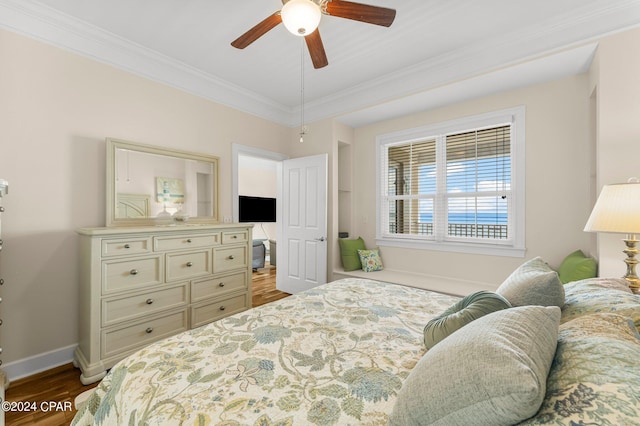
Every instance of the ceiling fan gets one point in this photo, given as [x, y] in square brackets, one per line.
[302, 17]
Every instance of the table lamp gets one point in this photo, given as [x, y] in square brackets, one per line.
[617, 210]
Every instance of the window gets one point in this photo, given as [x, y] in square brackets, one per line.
[456, 186]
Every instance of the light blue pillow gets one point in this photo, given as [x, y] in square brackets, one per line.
[492, 371]
[533, 283]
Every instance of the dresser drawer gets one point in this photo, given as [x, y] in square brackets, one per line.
[209, 312]
[187, 265]
[218, 285]
[126, 247]
[231, 237]
[229, 258]
[121, 339]
[129, 307]
[128, 274]
[185, 242]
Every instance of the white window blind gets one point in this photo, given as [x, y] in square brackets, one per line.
[410, 190]
[478, 183]
[453, 184]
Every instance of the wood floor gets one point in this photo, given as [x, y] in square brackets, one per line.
[264, 286]
[61, 385]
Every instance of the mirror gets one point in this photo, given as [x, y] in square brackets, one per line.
[148, 185]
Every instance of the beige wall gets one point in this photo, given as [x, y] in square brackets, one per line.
[615, 81]
[56, 108]
[557, 196]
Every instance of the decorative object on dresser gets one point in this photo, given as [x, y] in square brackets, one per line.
[617, 210]
[141, 284]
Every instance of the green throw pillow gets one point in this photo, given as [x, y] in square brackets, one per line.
[468, 309]
[576, 267]
[349, 253]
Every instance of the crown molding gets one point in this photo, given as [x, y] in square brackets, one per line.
[42, 23]
[35, 20]
[556, 66]
[476, 60]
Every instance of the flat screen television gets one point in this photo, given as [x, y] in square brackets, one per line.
[256, 209]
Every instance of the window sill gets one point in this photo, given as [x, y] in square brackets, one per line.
[485, 249]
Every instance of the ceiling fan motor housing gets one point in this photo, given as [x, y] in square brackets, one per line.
[301, 17]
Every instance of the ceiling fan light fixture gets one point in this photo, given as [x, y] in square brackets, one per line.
[301, 17]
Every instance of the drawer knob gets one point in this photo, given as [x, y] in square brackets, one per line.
[149, 301]
[189, 240]
[134, 272]
[230, 257]
[189, 264]
[234, 236]
[221, 284]
[1, 281]
[149, 330]
[222, 308]
[127, 246]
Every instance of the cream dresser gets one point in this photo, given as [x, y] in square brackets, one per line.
[139, 285]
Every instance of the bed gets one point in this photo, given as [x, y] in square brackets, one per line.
[340, 354]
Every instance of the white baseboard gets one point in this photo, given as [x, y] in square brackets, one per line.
[38, 363]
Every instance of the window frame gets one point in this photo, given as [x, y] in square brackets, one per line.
[515, 247]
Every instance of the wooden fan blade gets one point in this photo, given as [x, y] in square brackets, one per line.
[361, 12]
[257, 31]
[316, 50]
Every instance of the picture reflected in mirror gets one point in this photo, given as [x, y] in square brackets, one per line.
[152, 185]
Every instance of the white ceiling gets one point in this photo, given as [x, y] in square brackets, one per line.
[436, 52]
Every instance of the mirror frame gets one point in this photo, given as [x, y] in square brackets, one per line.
[111, 196]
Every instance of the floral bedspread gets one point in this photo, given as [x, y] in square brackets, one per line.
[337, 354]
[595, 374]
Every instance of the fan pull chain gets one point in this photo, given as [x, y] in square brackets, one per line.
[302, 129]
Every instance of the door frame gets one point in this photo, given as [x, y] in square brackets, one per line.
[238, 150]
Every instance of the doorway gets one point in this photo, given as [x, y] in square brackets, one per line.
[255, 174]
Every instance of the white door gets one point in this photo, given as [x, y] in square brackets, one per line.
[302, 234]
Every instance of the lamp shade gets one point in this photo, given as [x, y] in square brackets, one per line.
[301, 17]
[617, 210]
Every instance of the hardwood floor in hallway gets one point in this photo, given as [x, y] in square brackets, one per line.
[264, 286]
[62, 384]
